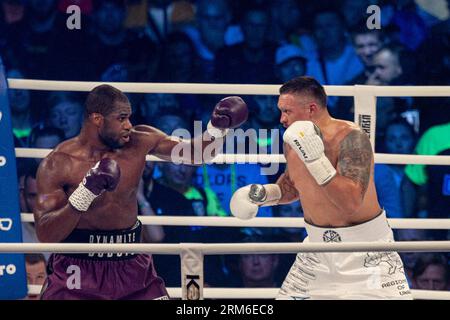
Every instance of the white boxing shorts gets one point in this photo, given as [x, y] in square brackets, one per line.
[347, 275]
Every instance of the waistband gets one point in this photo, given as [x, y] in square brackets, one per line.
[130, 235]
[373, 230]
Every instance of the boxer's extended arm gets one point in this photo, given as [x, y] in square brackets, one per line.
[229, 113]
[355, 161]
[54, 217]
[175, 149]
[288, 191]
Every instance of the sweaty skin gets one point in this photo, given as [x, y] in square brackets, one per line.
[63, 169]
[350, 197]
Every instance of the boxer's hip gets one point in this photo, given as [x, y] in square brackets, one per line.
[103, 275]
[348, 275]
[376, 229]
[129, 235]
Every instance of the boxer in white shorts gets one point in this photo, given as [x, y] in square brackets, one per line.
[330, 170]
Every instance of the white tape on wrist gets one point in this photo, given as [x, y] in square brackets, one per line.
[81, 198]
[321, 169]
[216, 132]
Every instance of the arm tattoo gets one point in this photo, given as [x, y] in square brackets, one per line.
[355, 158]
[287, 187]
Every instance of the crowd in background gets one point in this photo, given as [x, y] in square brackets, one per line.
[244, 42]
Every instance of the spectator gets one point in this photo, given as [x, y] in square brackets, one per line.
[431, 182]
[150, 233]
[289, 63]
[166, 108]
[12, 11]
[28, 188]
[431, 272]
[19, 101]
[366, 43]
[43, 44]
[35, 265]
[254, 54]
[27, 197]
[254, 270]
[258, 270]
[66, 113]
[388, 110]
[387, 68]
[119, 54]
[400, 138]
[355, 11]
[286, 16]
[434, 56]
[336, 61]
[410, 258]
[43, 137]
[162, 17]
[179, 59]
[404, 20]
[266, 114]
[213, 19]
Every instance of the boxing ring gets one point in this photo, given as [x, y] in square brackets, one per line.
[365, 116]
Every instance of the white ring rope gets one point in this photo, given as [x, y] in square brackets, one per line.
[262, 293]
[271, 158]
[206, 88]
[227, 248]
[267, 222]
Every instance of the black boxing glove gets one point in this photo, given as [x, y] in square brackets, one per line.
[104, 176]
[229, 113]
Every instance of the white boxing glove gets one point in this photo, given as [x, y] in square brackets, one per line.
[304, 138]
[246, 201]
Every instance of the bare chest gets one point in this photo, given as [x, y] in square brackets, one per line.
[115, 209]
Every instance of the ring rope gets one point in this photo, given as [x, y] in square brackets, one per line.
[271, 158]
[227, 248]
[267, 222]
[207, 88]
[263, 293]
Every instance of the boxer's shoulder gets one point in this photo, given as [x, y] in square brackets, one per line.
[63, 156]
[340, 130]
[146, 133]
[145, 138]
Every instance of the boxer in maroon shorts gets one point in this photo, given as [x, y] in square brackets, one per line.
[87, 194]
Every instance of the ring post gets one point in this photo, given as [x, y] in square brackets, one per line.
[191, 273]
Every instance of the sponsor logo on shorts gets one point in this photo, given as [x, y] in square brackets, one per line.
[117, 238]
[331, 236]
[389, 259]
[401, 285]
